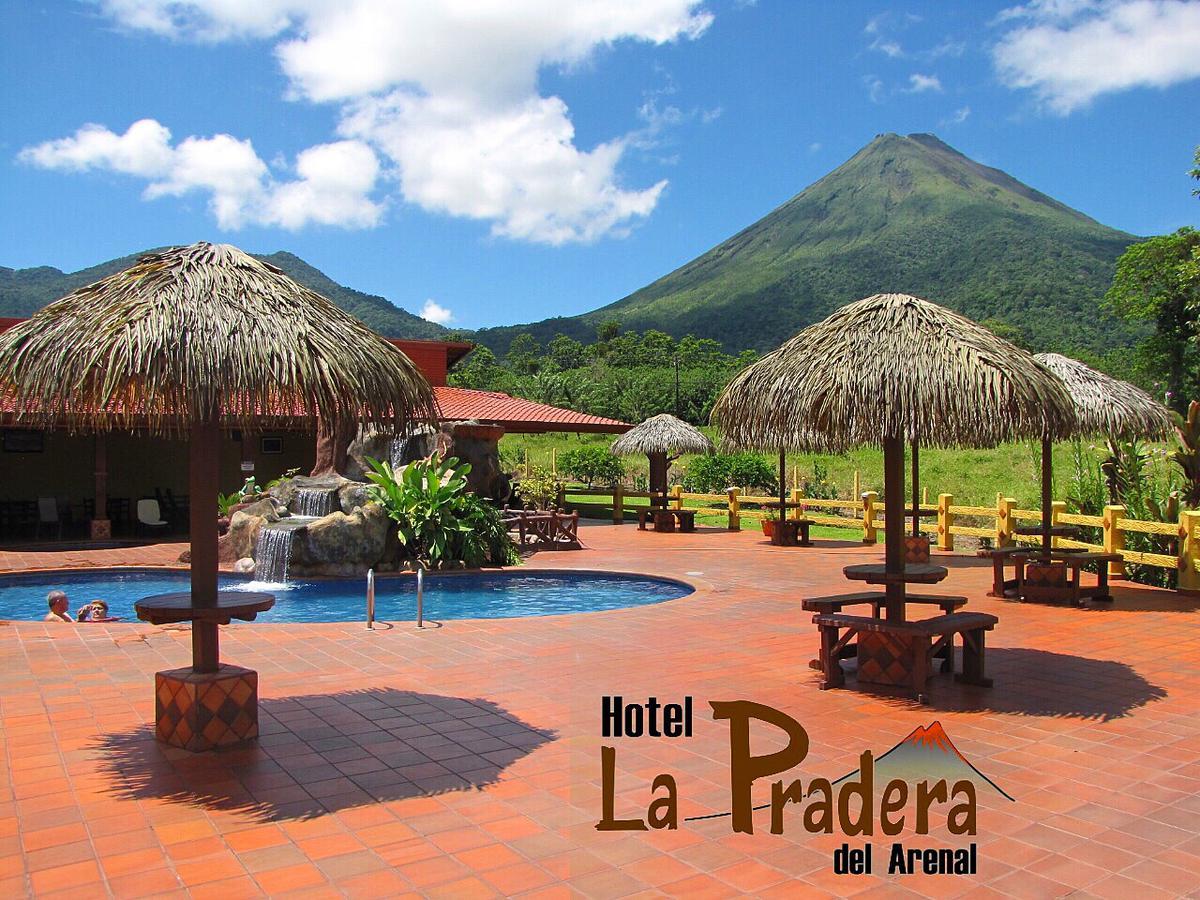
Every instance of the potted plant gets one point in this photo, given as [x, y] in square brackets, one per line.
[770, 517]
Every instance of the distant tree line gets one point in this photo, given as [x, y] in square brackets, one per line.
[622, 375]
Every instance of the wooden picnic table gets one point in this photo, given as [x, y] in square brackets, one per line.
[664, 519]
[1073, 561]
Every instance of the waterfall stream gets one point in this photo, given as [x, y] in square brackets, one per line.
[273, 550]
[315, 501]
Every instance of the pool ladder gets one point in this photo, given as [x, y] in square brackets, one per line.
[371, 598]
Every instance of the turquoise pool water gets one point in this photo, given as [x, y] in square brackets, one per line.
[452, 596]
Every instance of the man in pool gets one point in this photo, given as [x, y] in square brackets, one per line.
[96, 611]
[59, 604]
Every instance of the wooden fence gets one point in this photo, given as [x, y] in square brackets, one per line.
[997, 523]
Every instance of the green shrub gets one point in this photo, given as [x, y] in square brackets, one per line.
[437, 519]
[713, 474]
[539, 488]
[592, 465]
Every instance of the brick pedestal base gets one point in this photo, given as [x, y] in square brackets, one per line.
[916, 549]
[885, 658]
[101, 529]
[206, 711]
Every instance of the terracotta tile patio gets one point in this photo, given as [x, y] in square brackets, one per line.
[464, 760]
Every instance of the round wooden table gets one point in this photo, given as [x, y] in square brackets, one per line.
[877, 573]
[162, 609]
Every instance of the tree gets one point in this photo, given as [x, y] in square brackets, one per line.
[1158, 281]
[523, 355]
[565, 352]
[1195, 173]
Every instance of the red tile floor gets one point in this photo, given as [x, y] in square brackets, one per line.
[464, 760]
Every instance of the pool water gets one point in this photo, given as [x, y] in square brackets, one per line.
[450, 596]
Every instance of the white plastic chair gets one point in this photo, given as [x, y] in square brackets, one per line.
[149, 515]
[48, 515]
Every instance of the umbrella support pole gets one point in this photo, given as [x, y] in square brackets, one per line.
[893, 523]
[208, 706]
[1047, 493]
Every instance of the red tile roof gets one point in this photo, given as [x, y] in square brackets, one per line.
[518, 415]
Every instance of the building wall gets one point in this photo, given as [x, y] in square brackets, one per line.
[137, 464]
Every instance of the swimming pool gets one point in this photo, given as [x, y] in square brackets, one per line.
[490, 595]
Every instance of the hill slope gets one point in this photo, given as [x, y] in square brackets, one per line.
[905, 214]
[24, 290]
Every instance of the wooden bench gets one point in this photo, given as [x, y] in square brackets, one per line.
[544, 529]
[900, 654]
[876, 599]
[664, 519]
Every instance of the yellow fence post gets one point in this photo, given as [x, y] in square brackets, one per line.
[945, 521]
[857, 485]
[868, 520]
[554, 461]
[797, 496]
[1114, 538]
[1004, 521]
[618, 504]
[735, 519]
[1189, 551]
[677, 496]
[1057, 508]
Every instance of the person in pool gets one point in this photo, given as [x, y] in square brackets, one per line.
[59, 604]
[96, 611]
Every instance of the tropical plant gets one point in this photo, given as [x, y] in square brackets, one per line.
[592, 465]
[1187, 454]
[436, 518]
[538, 487]
[819, 486]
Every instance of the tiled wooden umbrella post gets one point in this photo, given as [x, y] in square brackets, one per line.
[209, 705]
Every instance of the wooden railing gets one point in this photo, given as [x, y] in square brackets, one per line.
[997, 523]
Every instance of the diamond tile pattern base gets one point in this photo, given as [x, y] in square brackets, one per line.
[884, 658]
[1046, 581]
[916, 549]
[206, 711]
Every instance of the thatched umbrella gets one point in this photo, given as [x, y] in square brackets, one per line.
[192, 338]
[1103, 405]
[662, 438]
[892, 368]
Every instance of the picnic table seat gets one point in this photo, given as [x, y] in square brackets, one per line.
[664, 519]
[876, 599]
[900, 654]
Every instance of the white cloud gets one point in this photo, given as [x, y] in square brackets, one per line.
[960, 115]
[814, 147]
[448, 92]
[432, 312]
[875, 89]
[919, 84]
[1069, 52]
[332, 186]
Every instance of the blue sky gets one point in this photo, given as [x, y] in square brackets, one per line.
[540, 157]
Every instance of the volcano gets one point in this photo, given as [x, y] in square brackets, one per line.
[907, 214]
[928, 754]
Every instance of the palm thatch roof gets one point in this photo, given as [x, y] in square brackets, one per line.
[897, 366]
[192, 330]
[1106, 405]
[662, 434]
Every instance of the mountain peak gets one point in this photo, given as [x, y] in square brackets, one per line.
[932, 736]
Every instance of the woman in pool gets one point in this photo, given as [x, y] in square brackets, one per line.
[96, 611]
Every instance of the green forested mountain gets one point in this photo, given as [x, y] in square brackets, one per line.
[904, 214]
[24, 290]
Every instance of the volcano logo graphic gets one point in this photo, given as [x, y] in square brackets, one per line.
[928, 754]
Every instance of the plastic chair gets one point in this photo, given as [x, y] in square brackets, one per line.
[48, 515]
[149, 516]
